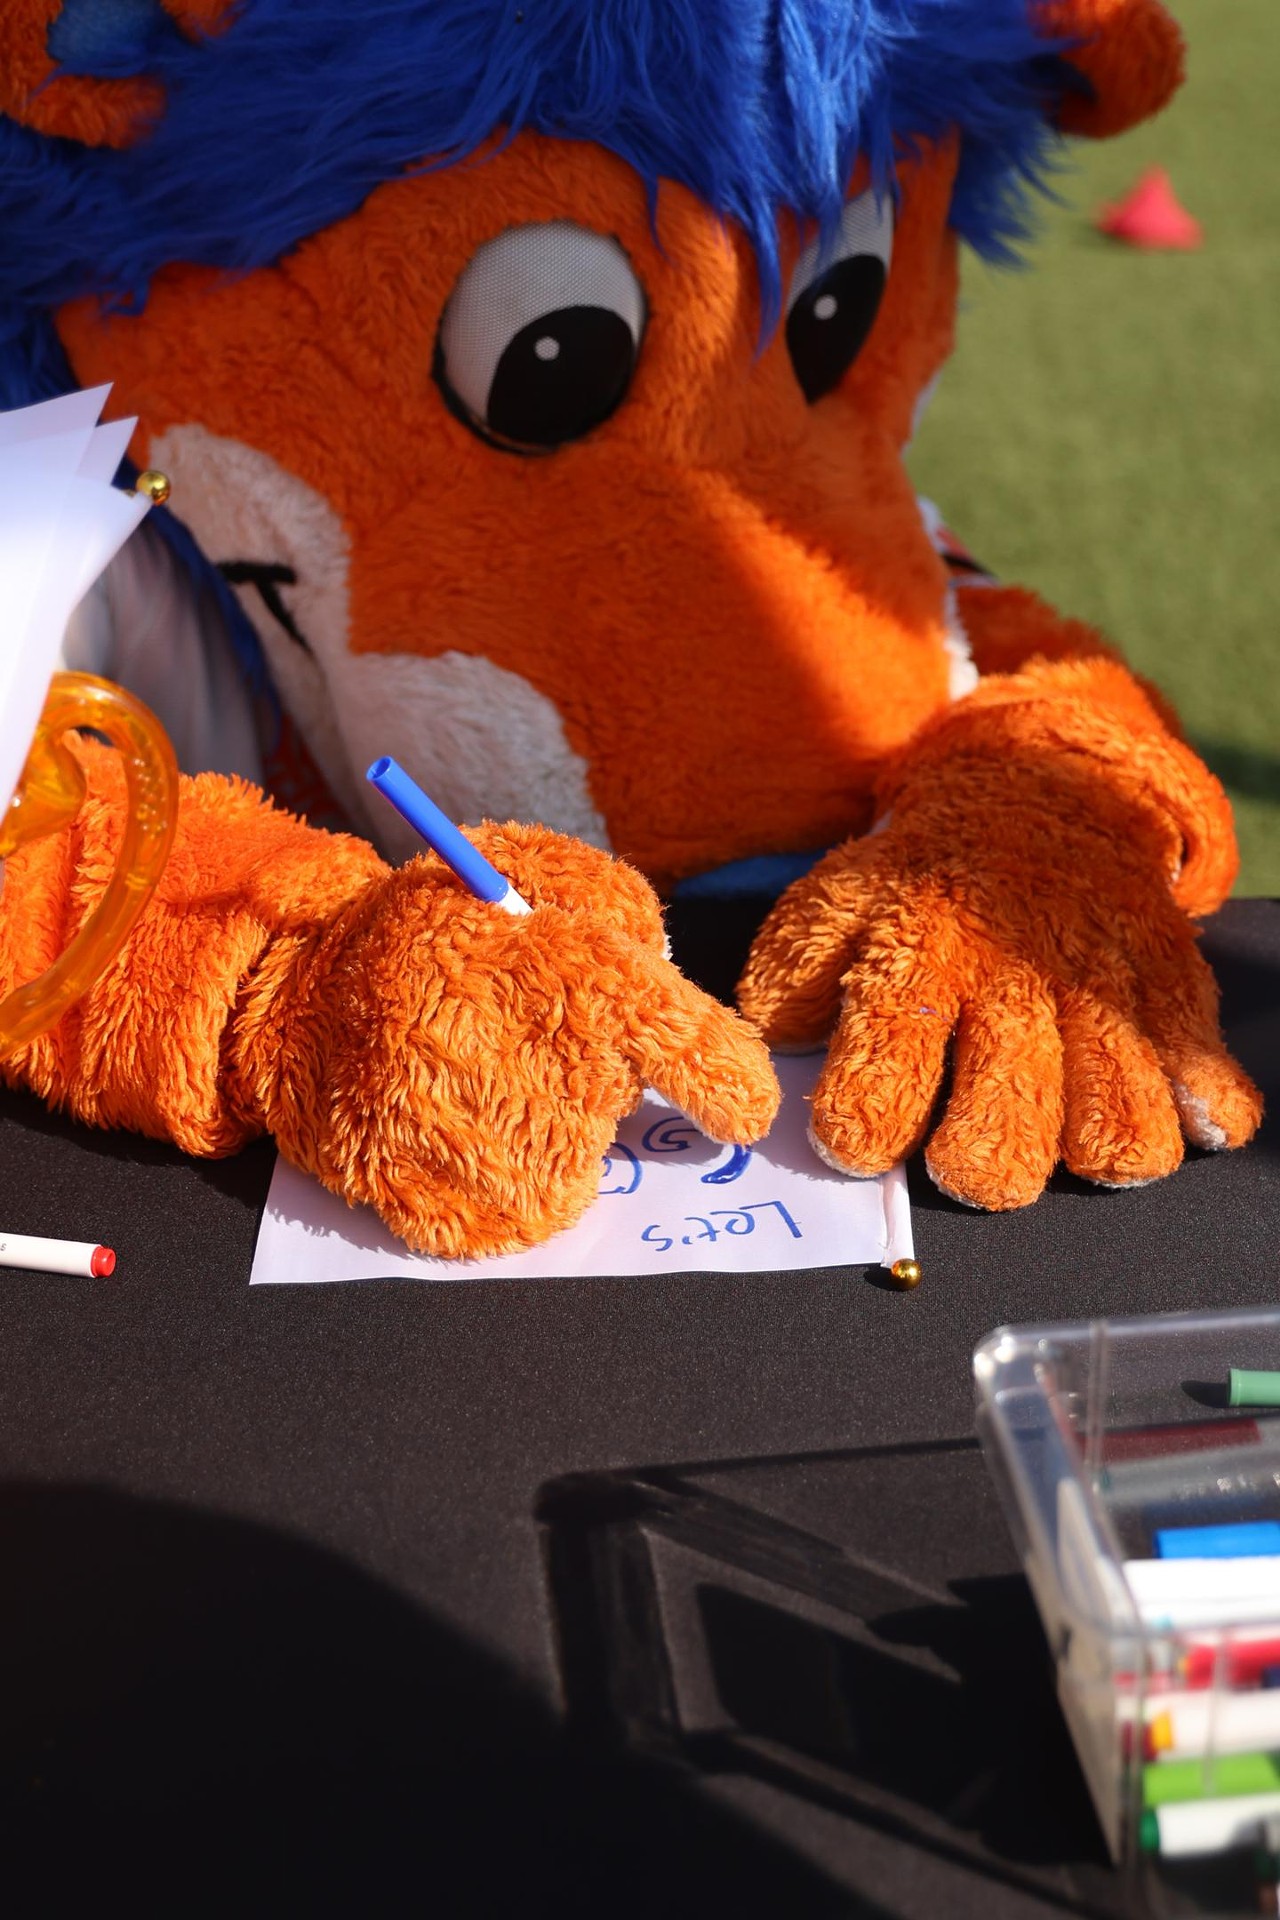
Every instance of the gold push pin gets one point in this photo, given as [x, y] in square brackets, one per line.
[906, 1274]
[155, 485]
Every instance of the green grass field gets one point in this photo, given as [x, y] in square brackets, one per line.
[1109, 429]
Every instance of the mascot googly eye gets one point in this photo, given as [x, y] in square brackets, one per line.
[835, 295]
[540, 335]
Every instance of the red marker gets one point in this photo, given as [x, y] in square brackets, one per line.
[83, 1257]
[1242, 1662]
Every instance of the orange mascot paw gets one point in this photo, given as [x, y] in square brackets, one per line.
[458, 1069]
[463, 1071]
[1021, 915]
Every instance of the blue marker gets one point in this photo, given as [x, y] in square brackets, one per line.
[1243, 1540]
[439, 832]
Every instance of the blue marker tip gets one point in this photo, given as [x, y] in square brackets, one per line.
[439, 832]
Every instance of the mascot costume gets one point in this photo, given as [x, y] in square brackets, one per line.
[534, 378]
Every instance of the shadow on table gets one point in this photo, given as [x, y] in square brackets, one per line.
[241, 1176]
[206, 1717]
[698, 1621]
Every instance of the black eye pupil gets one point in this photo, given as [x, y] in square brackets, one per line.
[561, 375]
[829, 322]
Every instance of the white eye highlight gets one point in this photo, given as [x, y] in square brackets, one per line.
[836, 292]
[539, 339]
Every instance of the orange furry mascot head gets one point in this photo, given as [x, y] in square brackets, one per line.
[550, 366]
[534, 376]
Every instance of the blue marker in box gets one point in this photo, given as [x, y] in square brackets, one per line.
[1245, 1540]
[439, 832]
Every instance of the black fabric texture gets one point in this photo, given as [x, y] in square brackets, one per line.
[300, 1582]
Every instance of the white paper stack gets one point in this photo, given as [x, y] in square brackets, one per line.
[61, 523]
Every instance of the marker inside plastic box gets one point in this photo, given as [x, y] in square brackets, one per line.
[1205, 1592]
[1227, 1776]
[1207, 1826]
[1243, 1660]
[1241, 1540]
[1252, 1389]
[1188, 1723]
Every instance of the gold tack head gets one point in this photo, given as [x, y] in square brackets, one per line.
[906, 1274]
[155, 485]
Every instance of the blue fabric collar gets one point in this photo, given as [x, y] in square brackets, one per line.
[762, 874]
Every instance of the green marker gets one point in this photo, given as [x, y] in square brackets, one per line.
[1209, 1826]
[1246, 1389]
[1227, 1777]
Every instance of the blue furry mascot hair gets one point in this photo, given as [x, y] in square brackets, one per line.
[284, 123]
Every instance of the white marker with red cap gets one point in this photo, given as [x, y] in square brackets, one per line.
[83, 1257]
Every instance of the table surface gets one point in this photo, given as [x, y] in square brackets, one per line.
[676, 1594]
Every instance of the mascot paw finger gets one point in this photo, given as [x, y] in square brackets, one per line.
[790, 989]
[872, 1102]
[1218, 1104]
[998, 1140]
[1121, 1125]
[552, 869]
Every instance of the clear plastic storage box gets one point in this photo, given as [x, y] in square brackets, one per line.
[1146, 1507]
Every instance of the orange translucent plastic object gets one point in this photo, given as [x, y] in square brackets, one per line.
[48, 798]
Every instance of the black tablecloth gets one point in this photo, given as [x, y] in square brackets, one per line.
[666, 1595]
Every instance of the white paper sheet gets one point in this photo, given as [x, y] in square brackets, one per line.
[77, 412]
[670, 1201]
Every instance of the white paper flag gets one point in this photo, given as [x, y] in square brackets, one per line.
[61, 523]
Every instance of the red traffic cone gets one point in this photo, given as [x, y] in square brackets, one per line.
[1150, 216]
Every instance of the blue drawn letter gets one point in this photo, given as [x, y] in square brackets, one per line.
[670, 1133]
[618, 1152]
[733, 1169]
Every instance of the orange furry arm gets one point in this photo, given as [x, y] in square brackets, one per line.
[1008, 626]
[460, 1070]
[1024, 906]
[148, 1047]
